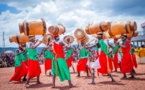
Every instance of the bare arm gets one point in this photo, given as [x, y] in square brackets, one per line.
[123, 46]
[91, 46]
[35, 46]
[36, 41]
[21, 47]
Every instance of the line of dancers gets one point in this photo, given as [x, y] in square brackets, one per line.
[58, 62]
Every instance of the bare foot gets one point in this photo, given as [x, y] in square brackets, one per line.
[50, 74]
[27, 85]
[88, 75]
[45, 73]
[132, 77]
[53, 86]
[113, 80]
[71, 85]
[10, 82]
[124, 77]
[92, 83]
[38, 82]
[78, 75]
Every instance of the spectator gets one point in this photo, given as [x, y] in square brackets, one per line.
[2, 61]
[7, 59]
[11, 60]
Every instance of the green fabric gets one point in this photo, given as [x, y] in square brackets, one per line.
[32, 54]
[23, 57]
[132, 51]
[60, 69]
[104, 47]
[48, 54]
[124, 40]
[83, 52]
[69, 53]
[110, 55]
[115, 48]
[18, 61]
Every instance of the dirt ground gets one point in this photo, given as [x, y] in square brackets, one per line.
[80, 83]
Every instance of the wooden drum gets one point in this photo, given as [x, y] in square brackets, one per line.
[46, 37]
[20, 38]
[68, 37]
[33, 27]
[79, 34]
[95, 28]
[122, 28]
[57, 29]
[132, 34]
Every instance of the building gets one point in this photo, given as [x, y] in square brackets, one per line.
[140, 39]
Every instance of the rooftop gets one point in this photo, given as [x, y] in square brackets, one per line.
[139, 38]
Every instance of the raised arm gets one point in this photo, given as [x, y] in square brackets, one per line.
[33, 45]
[123, 46]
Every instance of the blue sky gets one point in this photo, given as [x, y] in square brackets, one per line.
[4, 7]
[72, 14]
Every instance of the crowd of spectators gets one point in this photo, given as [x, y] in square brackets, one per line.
[6, 60]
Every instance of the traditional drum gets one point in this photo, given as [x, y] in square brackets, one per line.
[79, 34]
[132, 34]
[116, 37]
[33, 27]
[57, 29]
[122, 28]
[95, 28]
[46, 37]
[105, 35]
[65, 39]
[85, 40]
[20, 38]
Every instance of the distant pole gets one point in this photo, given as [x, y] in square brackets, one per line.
[3, 42]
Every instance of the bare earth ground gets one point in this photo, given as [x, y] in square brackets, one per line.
[81, 83]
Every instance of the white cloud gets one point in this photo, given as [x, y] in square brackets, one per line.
[71, 14]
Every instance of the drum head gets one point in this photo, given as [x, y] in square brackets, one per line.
[65, 39]
[79, 34]
[86, 40]
[46, 37]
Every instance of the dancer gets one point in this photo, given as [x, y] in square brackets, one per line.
[34, 69]
[48, 58]
[23, 56]
[82, 63]
[117, 55]
[59, 65]
[69, 55]
[126, 62]
[133, 57]
[96, 64]
[103, 63]
[20, 69]
[110, 56]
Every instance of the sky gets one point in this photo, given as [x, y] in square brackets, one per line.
[72, 14]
